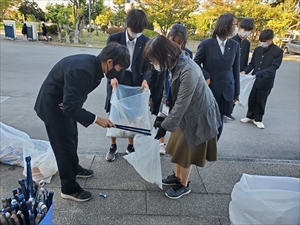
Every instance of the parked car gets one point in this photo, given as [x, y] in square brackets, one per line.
[292, 46]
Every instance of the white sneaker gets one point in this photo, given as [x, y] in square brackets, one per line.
[260, 125]
[162, 148]
[246, 120]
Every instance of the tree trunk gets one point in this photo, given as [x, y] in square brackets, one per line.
[96, 29]
[67, 29]
[77, 29]
[58, 32]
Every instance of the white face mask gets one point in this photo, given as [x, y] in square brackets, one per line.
[157, 67]
[134, 35]
[244, 34]
[236, 29]
[264, 44]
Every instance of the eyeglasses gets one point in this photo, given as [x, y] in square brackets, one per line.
[235, 24]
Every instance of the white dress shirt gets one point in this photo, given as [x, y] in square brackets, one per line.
[222, 47]
[130, 45]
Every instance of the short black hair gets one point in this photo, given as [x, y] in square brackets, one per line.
[117, 52]
[136, 20]
[224, 25]
[163, 50]
[179, 30]
[247, 24]
[266, 35]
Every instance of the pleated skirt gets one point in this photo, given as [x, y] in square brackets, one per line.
[185, 155]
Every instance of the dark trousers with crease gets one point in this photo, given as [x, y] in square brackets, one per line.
[64, 144]
[257, 103]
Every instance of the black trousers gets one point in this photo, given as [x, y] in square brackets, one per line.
[257, 103]
[64, 143]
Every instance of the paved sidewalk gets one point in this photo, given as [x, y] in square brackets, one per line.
[132, 200]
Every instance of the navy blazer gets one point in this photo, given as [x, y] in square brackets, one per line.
[139, 66]
[69, 82]
[222, 70]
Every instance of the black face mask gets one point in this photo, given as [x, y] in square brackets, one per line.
[112, 73]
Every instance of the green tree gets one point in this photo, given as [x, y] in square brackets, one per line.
[167, 12]
[96, 9]
[104, 18]
[6, 4]
[31, 8]
[60, 14]
[119, 13]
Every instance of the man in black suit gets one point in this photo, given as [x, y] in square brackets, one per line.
[246, 25]
[266, 59]
[136, 74]
[59, 105]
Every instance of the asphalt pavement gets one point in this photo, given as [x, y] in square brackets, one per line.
[243, 148]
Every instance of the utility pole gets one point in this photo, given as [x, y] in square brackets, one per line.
[90, 36]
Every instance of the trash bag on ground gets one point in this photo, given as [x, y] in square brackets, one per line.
[129, 107]
[265, 200]
[17, 145]
[246, 84]
[146, 158]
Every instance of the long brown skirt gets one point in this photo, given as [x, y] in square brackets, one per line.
[184, 155]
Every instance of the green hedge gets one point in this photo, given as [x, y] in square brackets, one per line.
[150, 33]
[113, 30]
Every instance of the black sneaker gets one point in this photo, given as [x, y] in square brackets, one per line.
[111, 154]
[178, 191]
[171, 180]
[84, 173]
[81, 196]
[230, 117]
[130, 149]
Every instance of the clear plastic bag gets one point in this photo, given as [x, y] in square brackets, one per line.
[246, 84]
[17, 145]
[265, 200]
[129, 107]
[146, 158]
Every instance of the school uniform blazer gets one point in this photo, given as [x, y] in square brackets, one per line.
[157, 85]
[222, 70]
[244, 51]
[139, 66]
[264, 63]
[69, 82]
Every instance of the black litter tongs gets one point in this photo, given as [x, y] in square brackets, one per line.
[134, 129]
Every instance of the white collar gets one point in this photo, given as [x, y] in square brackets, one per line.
[127, 38]
[220, 41]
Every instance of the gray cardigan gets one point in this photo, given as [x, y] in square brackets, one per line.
[195, 109]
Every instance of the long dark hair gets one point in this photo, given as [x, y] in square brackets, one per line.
[178, 30]
[163, 50]
[224, 25]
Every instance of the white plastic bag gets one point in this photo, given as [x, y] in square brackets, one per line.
[265, 200]
[17, 145]
[146, 158]
[246, 84]
[129, 107]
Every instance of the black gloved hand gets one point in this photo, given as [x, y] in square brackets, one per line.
[160, 133]
[158, 121]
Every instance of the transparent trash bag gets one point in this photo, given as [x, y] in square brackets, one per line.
[146, 158]
[17, 145]
[129, 107]
[265, 200]
[246, 84]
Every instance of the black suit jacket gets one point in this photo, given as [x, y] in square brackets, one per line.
[264, 63]
[69, 82]
[244, 51]
[139, 66]
[222, 70]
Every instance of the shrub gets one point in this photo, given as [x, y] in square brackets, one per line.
[150, 33]
[104, 28]
[196, 37]
[52, 29]
[113, 30]
[88, 29]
